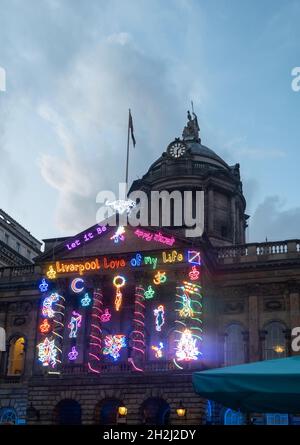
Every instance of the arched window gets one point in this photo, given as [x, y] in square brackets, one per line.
[8, 416]
[155, 411]
[277, 419]
[67, 412]
[232, 417]
[106, 412]
[234, 346]
[16, 357]
[275, 341]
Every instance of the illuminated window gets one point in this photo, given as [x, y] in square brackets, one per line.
[275, 341]
[233, 417]
[234, 347]
[16, 358]
[8, 416]
[277, 419]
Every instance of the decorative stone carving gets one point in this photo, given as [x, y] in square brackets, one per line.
[274, 304]
[233, 307]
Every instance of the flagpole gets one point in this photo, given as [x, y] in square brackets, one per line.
[127, 158]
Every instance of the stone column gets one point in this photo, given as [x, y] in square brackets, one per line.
[254, 352]
[233, 219]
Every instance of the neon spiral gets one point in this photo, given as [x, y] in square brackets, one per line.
[138, 333]
[95, 344]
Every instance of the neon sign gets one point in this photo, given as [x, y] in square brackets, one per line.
[85, 237]
[172, 257]
[149, 293]
[187, 349]
[194, 273]
[194, 257]
[87, 266]
[118, 282]
[106, 316]
[43, 285]
[119, 235]
[86, 300]
[73, 354]
[113, 345]
[159, 314]
[160, 278]
[48, 302]
[77, 285]
[158, 237]
[74, 324]
[51, 274]
[45, 326]
[47, 352]
[138, 260]
[158, 350]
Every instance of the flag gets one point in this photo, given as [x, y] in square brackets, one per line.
[131, 129]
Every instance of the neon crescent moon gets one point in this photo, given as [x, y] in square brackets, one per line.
[74, 285]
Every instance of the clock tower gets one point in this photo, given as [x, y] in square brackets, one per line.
[188, 165]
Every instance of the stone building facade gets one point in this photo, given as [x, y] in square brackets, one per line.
[124, 343]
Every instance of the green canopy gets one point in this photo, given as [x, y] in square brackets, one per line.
[267, 386]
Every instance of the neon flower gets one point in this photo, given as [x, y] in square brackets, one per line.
[73, 354]
[118, 235]
[44, 285]
[118, 281]
[86, 300]
[45, 326]
[158, 350]
[47, 352]
[159, 314]
[77, 285]
[149, 293]
[113, 345]
[194, 273]
[51, 274]
[186, 348]
[74, 324]
[48, 302]
[160, 277]
[106, 316]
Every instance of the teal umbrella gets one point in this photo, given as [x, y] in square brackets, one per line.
[259, 387]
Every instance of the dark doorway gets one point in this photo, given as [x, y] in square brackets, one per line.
[107, 412]
[67, 412]
[155, 411]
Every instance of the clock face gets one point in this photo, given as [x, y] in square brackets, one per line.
[177, 149]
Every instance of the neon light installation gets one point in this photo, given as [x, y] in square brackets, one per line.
[95, 345]
[74, 324]
[186, 348]
[86, 300]
[47, 352]
[77, 285]
[43, 285]
[138, 260]
[118, 281]
[73, 354]
[194, 257]
[159, 314]
[186, 311]
[48, 302]
[194, 274]
[160, 277]
[158, 350]
[137, 335]
[119, 234]
[149, 293]
[106, 316]
[85, 237]
[121, 205]
[113, 345]
[51, 273]
[45, 326]
[150, 236]
[172, 257]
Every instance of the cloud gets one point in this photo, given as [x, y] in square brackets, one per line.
[271, 220]
[91, 104]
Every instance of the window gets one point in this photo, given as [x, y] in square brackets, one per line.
[277, 419]
[106, 412]
[234, 346]
[155, 411]
[16, 358]
[233, 417]
[8, 416]
[275, 342]
[18, 247]
[7, 238]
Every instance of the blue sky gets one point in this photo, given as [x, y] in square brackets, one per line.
[74, 67]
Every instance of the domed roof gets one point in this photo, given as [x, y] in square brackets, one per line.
[202, 153]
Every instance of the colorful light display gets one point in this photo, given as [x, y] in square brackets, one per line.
[172, 257]
[139, 260]
[158, 237]
[95, 345]
[149, 293]
[138, 334]
[74, 324]
[118, 281]
[158, 350]
[73, 354]
[159, 314]
[106, 316]
[51, 273]
[43, 285]
[47, 309]
[86, 237]
[119, 235]
[47, 352]
[77, 285]
[86, 300]
[194, 274]
[194, 257]
[45, 326]
[186, 348]
[113, 345]
[160, 278]
[186, 311]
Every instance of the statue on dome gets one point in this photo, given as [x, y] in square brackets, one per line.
[192, 129]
